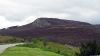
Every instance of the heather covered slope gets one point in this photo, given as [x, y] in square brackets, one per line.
[44, 23]
[58, 30]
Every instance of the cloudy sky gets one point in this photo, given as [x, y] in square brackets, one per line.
[20, 12]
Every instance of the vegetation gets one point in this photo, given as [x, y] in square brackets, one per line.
[51, 46]
[41, 47]
[88, 49]
[9, 39]
[26, 51]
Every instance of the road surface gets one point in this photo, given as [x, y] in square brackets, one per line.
[4, 47]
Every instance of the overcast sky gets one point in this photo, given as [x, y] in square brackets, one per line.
[20, 12]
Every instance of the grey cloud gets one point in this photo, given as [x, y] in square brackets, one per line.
[18, 10]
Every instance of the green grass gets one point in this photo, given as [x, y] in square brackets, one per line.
[26, 51]
[41, 47]
[58, 48]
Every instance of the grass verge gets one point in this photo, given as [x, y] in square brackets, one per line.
[26, 51]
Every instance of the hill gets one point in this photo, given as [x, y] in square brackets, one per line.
[58, 30]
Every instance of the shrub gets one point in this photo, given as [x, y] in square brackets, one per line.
[38, 42]
[88, 49]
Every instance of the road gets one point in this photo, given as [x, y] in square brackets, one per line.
[4, 47]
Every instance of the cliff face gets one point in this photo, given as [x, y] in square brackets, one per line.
[58, 30]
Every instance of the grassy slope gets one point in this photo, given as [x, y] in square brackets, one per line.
[25, 51]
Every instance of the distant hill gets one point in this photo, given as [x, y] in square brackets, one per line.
[58, 30]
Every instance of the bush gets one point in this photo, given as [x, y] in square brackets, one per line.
[88, 49]
[39, 42]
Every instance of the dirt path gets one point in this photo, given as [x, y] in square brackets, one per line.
[4, 47]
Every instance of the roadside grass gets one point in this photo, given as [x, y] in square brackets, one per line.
[65, 50]
[26, 51]
[41, 47]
